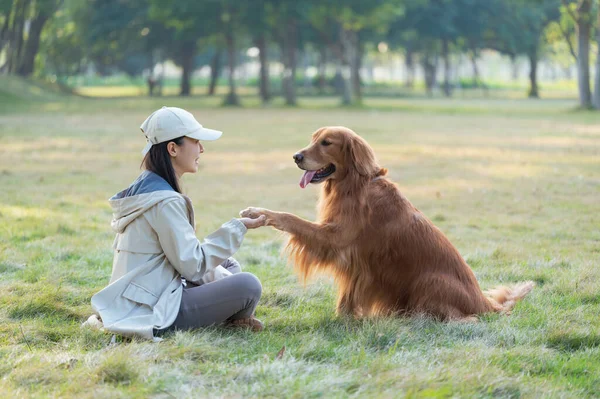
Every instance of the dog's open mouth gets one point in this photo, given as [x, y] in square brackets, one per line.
[315, 176]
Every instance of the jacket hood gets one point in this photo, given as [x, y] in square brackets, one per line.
[146, 191]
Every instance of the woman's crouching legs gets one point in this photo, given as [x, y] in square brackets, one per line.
[226, 300]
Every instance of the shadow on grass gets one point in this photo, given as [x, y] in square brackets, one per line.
[38, 302]
[571, 342]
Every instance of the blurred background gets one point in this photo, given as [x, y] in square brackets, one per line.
[280, 50]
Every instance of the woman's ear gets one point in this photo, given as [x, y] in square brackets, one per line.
[172, 149]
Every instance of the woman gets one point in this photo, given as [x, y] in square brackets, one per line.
[163, 277]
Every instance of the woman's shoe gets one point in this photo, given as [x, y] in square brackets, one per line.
[250, 322]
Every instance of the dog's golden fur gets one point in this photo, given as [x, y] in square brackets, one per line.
[384, 254]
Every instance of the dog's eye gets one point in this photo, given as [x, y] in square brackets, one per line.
[325, 143]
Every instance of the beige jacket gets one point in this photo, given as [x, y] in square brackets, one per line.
[154, 248]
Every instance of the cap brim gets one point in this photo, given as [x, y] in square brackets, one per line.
[146, 148]
[205, 134]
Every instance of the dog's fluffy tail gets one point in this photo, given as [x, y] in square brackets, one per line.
[507, 297]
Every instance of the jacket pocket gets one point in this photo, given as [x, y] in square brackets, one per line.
[139, 294]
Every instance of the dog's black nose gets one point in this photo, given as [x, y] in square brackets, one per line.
[298, 157]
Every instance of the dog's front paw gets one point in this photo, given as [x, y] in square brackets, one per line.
[252, 212]
[272, 218]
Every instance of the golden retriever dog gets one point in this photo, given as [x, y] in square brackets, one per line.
[386, 257]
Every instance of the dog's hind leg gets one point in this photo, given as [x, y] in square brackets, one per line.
[448, 299]
[455, 315]
[345, 304]
[447, 312]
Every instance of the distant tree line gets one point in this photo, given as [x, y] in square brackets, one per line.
[63, 37]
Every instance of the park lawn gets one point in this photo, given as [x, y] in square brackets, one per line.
[513, 183]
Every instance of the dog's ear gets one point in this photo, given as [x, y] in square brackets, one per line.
[318, 132]
[361, 156]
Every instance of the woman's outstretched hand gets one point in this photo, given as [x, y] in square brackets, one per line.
[254, 223]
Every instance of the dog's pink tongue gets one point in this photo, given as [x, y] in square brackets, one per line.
[307, 177]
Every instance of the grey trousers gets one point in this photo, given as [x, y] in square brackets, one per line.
[233, 297]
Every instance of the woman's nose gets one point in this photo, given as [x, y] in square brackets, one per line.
[201, 148]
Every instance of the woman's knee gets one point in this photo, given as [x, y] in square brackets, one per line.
[251, 284]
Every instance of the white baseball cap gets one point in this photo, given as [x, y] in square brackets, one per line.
[169, 123]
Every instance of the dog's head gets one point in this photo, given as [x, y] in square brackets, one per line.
[336, 153]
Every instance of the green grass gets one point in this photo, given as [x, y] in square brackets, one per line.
[30, 89]
[513, 183]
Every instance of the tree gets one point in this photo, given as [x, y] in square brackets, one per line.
[581, 12]
[62, 43]
[179, 18]
[436, 25]
[193, 22]
[403, 36]
[596, 97]
[286, 20]
[344, 28]
[520, 27]
[476, 23]
[260, 21]
[39, 13]
[231, 16]
[23, 22]
[532, 20]
[120, 36]
[559, 38]
[13, 32]
[215, 69]
[432, 29]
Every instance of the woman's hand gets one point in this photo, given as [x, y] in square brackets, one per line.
[253, 223]
[271, 218]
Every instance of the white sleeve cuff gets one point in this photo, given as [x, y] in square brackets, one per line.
[236, 225]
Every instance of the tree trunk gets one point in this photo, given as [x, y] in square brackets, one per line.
[476, 79]
[355, 67]
[16, 36]
[232, 97]
[261, 44]
[187, 65]
[353, 57]
[350, 74]
[151, 82]
[4, 32]
[583, 59]
[533, 63]
[27, 62]
[289, 62]
[215, 71]
[446, 57]
[322, 66]
[596, 99]
[343, 79]
[430, 70]
[514, 73]
[409, 63]
[5, 39]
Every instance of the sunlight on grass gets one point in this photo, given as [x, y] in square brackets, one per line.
[129, 91]
[23, 212]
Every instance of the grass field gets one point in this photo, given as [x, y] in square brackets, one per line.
[515, 184]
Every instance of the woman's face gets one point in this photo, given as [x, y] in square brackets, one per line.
[185, 157]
